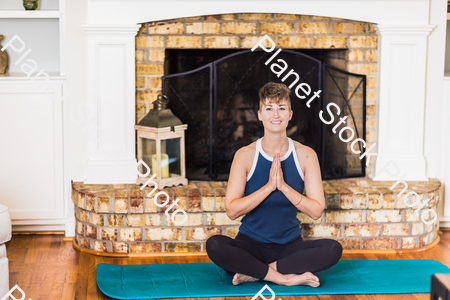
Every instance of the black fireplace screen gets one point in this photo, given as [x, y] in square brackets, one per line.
[219, 101]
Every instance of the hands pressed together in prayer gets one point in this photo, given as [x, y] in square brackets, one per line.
[276, 180]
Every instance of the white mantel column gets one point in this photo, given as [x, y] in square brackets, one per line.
[111, 104]
[402, 57]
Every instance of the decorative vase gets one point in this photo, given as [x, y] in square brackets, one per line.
[30, 4]
[4, 58]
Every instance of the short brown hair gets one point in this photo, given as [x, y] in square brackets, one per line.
[275, 92]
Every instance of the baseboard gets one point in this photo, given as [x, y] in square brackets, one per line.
[444, 222]
[37, 228]
[36, 232]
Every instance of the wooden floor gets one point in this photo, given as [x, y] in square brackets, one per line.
[45, 267]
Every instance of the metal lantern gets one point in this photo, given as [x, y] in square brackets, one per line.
[161, 145]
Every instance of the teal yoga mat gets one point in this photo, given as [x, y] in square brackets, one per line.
[208, 280]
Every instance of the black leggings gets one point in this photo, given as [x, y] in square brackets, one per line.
[247, 256]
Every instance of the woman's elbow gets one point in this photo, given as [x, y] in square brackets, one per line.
[319, 213]
[231, 214]
[317, 217]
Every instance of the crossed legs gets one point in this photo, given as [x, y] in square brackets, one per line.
[290, 264]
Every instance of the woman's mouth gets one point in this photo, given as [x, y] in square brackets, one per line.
[275, 122]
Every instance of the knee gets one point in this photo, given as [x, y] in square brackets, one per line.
[333, 249]
[336, 249]
[212, 244]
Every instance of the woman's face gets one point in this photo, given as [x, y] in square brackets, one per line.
[275, 117]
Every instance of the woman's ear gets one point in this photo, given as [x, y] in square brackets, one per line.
[290, 115]
[259, 115]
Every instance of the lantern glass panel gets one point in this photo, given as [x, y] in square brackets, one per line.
[170, 156]
[148, 149]
[171, 147]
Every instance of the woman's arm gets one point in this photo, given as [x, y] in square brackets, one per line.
[236, 204]
[314, 202]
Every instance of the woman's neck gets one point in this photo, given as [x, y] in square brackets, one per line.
[274, 143]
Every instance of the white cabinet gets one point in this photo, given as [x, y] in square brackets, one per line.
[31, 115]
[31, 151]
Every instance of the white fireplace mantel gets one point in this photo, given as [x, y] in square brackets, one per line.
[402, 57]
[376, 11]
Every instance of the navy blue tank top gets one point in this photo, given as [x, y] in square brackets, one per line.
[274, 220]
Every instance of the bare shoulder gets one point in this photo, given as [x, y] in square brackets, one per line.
[303, 150]
[245, 156]
[305, 154]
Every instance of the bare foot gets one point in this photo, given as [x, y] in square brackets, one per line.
[241, 278]
[306, 278]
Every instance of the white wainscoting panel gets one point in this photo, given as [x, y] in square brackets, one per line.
[402, 56]
[31, 151]
[111, 101]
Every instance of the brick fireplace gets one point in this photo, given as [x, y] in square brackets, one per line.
[354, 47]
[362, 214]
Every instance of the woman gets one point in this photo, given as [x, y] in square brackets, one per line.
[266, 183]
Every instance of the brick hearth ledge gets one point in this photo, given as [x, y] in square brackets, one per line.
[360, 213]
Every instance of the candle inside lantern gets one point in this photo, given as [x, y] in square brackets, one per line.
[164, 165]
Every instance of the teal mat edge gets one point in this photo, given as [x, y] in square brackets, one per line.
[315, 291]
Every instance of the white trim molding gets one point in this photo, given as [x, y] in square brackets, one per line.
[402, 57]
[111, 103]
[141, 11]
